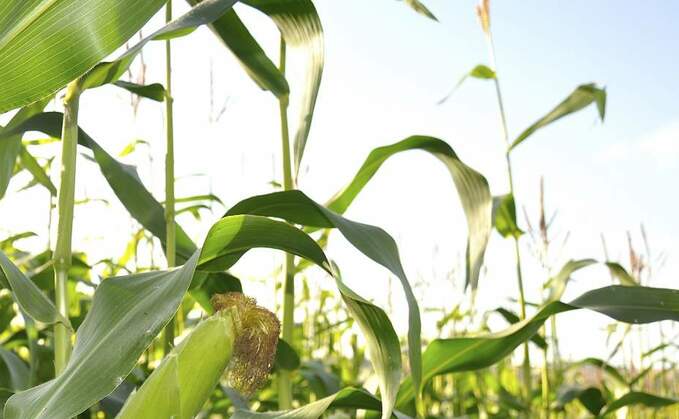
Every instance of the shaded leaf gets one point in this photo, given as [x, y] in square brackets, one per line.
[154, 91]
[286, 356]
[294, 206]
[14, 373]
[27, 295]
[590, 397]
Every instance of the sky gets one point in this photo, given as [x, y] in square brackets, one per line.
[386, 68]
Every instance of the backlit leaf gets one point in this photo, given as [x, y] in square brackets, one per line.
[472, 189]
[45, 44]
[581, 97]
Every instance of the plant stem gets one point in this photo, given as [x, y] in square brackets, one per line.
[65, 204]
[170, 246]
[285, 383]
[517, 249]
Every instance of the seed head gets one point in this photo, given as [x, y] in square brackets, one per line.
[483, 12]
[257, 331]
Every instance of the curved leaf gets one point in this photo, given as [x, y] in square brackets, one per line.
[504, 216]
[204, 13]
[351, 398]
[472, 189]
[621, 274]
[581, 97]
[512, 318]
[637, 397]
[235, 35]
[230, 237]
[37, 39]
[27, 295]
[627, 304]
[590, 397]
[301, 28]
[294, 206]
[122, 178]
[384, 349]
[481, 72]
[10, 147]
[154, 91]
[557, 284]
[14, 373]
[128, 312]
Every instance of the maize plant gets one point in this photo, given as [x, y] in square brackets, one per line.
[166, 331]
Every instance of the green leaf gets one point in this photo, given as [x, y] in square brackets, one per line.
[154, 91]
[122, 178]
[504, 216]
[637, 397]
[230, 237]
[14, 373]
[235, 35]
[481, 72]
[581, 97]
[286, 357]
[37, 39]
[384, 349]
[204, 13]
[420, 8]
[472, 189]
[621, 274]
[294, 206]
[128, 312]
[590, 397]
[557, 284]
[300, 27]
[512, 318]
[31, 164]
[627, 304]
[10, 147]
[27, 295]
[348, 398]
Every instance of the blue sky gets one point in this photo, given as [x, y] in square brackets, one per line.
[386, 68]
